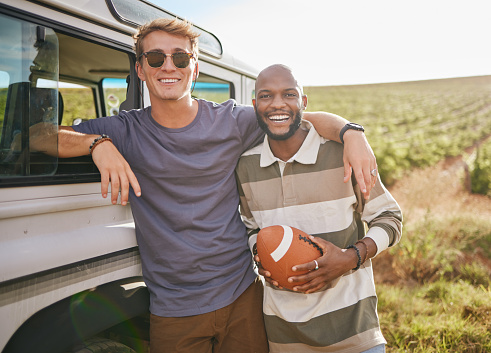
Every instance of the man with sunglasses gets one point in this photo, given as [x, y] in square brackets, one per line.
[196, 263]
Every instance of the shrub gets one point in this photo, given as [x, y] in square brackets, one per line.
[481, 171]
[451, 248]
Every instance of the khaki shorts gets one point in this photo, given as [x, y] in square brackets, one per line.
[238, 327]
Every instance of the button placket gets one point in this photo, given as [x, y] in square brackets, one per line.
[289, 195]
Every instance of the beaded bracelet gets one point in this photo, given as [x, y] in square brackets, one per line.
[366, 250]
[358, 264]
[99, 140]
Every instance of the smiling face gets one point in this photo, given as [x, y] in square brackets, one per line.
[279, 102]
[167, 82]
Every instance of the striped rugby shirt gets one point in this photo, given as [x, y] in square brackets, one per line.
[308, 193]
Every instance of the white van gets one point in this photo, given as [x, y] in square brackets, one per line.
[70, 274]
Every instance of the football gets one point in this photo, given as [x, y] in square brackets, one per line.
[282, 247]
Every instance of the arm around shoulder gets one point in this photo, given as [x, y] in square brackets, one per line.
[358, 155]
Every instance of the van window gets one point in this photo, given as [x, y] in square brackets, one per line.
[114, 90]
[49, 78]
[56, 77]
[92, 79]
[29, 98]
[4, 84]
[213, 91]
[78, 103]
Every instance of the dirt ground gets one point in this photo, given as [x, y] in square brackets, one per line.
[439, 190]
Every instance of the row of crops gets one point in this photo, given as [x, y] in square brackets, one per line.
[412, 124]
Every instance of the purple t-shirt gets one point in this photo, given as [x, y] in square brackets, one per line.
[192, 242]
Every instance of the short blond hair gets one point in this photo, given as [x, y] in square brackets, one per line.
[173, 26]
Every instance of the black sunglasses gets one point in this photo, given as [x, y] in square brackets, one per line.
[156, 59]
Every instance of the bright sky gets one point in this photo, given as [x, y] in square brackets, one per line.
[334, 42]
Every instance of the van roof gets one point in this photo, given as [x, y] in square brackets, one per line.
[130, 14]
[126, 15]
[137, 13]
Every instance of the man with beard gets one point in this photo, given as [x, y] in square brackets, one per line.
[204, 293]
[294, 178]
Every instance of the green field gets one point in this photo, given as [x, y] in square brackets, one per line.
[412, 124]
[434, 287]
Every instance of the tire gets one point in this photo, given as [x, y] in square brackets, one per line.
[103, 345]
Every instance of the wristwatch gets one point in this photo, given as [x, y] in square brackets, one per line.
[349, 126]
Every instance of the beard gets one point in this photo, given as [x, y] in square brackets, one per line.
[291, 131]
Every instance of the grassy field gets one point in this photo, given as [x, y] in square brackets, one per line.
[77, 103]
[434, 287]
[412, 124]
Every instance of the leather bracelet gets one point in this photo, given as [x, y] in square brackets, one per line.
[358, 264]
[99, 140]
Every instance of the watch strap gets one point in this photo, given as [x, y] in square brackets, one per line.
[349, 126]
